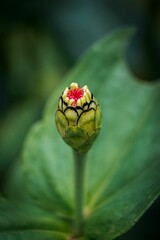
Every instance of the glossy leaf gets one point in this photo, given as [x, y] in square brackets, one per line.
[122, 176]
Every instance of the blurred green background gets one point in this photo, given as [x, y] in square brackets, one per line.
[39, 42]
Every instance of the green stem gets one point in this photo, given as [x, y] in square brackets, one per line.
[79, 160]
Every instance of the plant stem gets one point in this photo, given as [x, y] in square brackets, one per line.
[79, 161]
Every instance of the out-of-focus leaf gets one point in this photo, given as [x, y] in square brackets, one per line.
[14, 127]
[122, 176]
[35, 62]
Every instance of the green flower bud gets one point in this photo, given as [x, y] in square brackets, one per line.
[78, 117]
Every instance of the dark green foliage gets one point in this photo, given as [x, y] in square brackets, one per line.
[122, 176]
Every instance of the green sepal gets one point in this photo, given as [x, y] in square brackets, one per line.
[71, 115]
[78, 139]
[61, 122]
[98, 117]
[75, 137]
[87, 121]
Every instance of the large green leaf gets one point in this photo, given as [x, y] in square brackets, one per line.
[122, 176]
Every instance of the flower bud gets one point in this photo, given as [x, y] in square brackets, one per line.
[78, 117]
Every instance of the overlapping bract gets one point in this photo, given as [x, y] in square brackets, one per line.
[78, 120]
